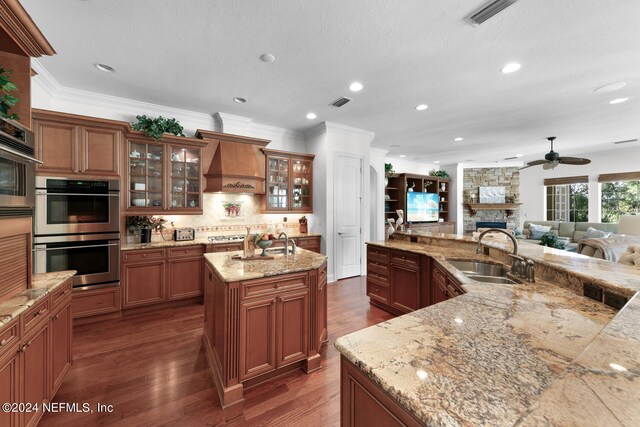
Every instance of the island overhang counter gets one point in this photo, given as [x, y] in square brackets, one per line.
[262, 318]
[527, 354]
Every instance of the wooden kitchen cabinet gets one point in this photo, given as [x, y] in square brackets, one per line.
[405, 281]
[311, 243]
[289, 182]
[163, 176]
[143, 282]
[185, 270]
[9, 370]
[70, 145]
[61, 349]
[257, 337]
[444, 286]
[34, 361]
[291, 327]
[322, 332]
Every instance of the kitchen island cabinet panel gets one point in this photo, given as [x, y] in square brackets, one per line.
[291, 320]
[257, 337]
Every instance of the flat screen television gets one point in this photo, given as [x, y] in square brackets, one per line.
[422, 207]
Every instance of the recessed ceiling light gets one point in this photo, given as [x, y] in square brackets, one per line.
[422, 107]
[267, 57]
[610, 88]
[239, 100]
[402, 155]
[436, 161]
[355, 87]
[105, 68]
[618, 100]
[510, 68]
[458, 139]
[311, 116]
[518, 155]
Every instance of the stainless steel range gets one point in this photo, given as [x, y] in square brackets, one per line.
[226, 238]
[77, 227]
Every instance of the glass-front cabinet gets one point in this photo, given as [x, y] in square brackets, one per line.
[163, 176]
[289, 182]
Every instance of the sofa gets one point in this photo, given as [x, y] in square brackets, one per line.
[569, 233]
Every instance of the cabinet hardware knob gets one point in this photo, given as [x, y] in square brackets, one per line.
[144, 255]
[3, 342]
[41, 312]
[56, 317]
[277, 285]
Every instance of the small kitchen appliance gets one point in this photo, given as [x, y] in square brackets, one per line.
[184, 234]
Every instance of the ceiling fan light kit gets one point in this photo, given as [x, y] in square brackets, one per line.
[553, 159]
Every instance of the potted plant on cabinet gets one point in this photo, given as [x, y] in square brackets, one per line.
[145, 224]
[7, 101]
[158, 126]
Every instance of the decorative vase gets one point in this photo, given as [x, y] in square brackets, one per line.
[264, 244]
[145, 235]
[386, 181]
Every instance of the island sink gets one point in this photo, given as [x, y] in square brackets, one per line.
[484, 272]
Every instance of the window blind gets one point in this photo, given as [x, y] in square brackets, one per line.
[625, 176]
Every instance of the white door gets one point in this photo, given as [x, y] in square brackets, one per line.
[348, 215]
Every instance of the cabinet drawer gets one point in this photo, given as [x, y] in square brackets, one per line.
[35, 313]
[377, 291]
[226, 247]
[273, 285]
[405, 258]
[378, 267]
[60, 295]
[439, 275]
[378, 278]
[95, 301]
[9, 336]
[142, 255]
[378, 253]
[185, 251]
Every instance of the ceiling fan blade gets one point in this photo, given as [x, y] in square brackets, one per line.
[537, 162]
[574, 161]
[550, 165]
[524, 167]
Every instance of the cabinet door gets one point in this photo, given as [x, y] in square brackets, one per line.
[278, 191]
[143, 283]
[185, 277]
[35, 371]
[301, 185]
[61, 354]
[184, 181]
[291, 335]
[405, 287]
[438, 292]
[101, 151]
[58, 148]
[145, 169]
[310, 243]
[257, 337]
[9, 385]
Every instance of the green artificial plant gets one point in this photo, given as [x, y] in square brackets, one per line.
[6, 99]
[440, 173]
[551, 240]
[146, 221]
[388, 168]
[156, 127]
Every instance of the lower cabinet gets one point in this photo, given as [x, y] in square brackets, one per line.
[322, 332]
[61, 350]
[185, 269]
[143, 283]
[401, 281]
[9, 370]
[35, 370]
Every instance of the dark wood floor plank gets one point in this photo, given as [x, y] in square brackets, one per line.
[151, 367]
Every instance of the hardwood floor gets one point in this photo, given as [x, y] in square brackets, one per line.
[151, 367]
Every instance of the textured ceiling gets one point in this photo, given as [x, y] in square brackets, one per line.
[199, 54]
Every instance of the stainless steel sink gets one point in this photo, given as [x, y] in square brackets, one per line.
[484, 272]
[276, 251]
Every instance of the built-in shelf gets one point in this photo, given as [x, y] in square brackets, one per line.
[507, 207]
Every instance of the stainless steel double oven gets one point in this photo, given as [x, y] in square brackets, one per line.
[17, 169]
[77, 227]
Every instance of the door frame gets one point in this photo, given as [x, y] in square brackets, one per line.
[337, 154]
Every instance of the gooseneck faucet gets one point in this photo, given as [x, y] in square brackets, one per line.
[518, 265]
[286, 243]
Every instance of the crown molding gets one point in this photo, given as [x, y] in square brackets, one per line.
[350, 131]
[18, 25]
[380, 151]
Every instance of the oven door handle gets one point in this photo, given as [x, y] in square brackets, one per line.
[45, 193]
[75, 247]
[21, 155]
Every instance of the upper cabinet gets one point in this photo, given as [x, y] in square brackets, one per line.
[163, 175]
[289, 182]
[72, 145]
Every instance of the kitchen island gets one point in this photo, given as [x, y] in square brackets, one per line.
[527, 354]
[263, 318]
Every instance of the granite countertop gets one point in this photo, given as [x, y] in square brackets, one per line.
[198, 241]
[41, 286]
[529, 354]
[233, 270]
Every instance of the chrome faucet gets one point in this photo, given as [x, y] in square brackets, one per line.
[286, 243]
[518, 266]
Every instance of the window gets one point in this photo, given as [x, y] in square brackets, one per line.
[620, 197]
[567, 199]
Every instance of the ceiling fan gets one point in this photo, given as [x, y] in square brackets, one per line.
[553, 159]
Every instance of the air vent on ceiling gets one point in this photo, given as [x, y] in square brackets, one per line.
[340, 102]
[488, 11]
[626, 141]
[511, 158]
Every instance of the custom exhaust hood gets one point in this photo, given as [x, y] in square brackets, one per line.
[233, 163]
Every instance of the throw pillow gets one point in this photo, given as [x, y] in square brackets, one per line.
[537, 231]
[593, 233]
